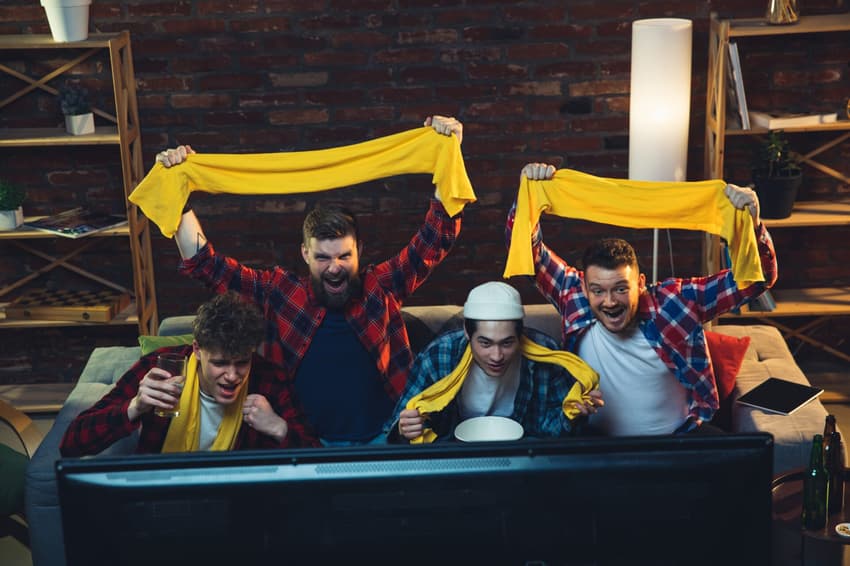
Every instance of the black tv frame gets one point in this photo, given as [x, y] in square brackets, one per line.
[692, 499]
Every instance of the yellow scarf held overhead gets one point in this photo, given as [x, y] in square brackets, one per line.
[185, 430]
[435, 398]
[694, 205]
[163, 193]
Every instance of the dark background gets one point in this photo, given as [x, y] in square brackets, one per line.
[531, 81]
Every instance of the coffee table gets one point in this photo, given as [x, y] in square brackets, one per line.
[792, 544]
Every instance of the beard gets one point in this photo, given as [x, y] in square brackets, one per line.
[353, 288]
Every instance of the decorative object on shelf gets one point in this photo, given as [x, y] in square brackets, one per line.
[776, 176]
[11, 212]
[738, 96]
[660, 103]
[68, 304]
[68, 19]
[782, 12]
[778, 121]
[74, 103]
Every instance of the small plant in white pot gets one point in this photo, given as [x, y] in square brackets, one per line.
[74, 103]
[11, 212]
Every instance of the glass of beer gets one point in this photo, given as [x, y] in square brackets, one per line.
[175, 364]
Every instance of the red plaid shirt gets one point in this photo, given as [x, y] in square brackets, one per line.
[106, 421]
[293, 313]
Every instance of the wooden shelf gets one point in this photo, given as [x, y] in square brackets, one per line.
[120, 130]
[27, 233]
[839, 126]
[33, 137]
[820, 301]
[799, 312]
[814, 213]
[754, 27]
[32, 398]
[126, 317]
[45, 41]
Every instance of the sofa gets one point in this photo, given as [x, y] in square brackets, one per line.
[767, 355]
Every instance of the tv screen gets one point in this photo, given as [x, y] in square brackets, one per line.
[639, 500]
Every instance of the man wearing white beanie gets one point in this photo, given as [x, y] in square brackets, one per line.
[497, 379]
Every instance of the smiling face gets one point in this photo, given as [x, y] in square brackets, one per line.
[614, 294]
[495, 345]
[222, 377]
[334, 265]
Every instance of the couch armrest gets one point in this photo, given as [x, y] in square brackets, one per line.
[104, 367]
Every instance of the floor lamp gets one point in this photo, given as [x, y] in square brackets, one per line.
[660, 104]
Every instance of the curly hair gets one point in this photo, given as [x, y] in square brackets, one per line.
[328, 222]
[229, 326]
[610, 253]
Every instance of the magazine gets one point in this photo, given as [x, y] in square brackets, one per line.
[77, 222]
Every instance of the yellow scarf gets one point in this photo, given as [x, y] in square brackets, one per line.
[699, 205]
[184, 430]
[435, 398]
[163, 193]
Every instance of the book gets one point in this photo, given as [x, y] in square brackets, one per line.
[778, 121]
[77, 222]
[737, 98]
[778, 395]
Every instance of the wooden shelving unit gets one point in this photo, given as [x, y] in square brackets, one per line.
[819, 303]
[124, 135]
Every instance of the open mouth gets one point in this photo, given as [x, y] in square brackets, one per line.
[335, 285]
[614, 315]
[228, 390]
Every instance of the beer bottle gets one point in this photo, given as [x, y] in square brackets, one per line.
[834, 461]
[828, 429]
[815, 488]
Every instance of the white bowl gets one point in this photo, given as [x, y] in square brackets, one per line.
[480, 429]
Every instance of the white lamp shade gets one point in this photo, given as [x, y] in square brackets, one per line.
[660, 103]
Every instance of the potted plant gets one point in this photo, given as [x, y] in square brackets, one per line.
[777, 176]
[11, 212]
[74, 103]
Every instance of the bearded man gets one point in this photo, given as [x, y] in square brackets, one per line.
[339, 331]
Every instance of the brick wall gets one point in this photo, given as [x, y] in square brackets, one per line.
[532, 81]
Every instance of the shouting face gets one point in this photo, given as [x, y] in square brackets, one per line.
[222, 377]
[334, 268]
[614, 294]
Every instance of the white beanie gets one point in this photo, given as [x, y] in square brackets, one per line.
[493, 301]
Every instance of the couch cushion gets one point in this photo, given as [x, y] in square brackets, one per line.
[727, 354]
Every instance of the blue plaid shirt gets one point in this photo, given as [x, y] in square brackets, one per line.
[537, 406]
[670, 313]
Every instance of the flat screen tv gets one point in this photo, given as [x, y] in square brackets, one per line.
[694, 499]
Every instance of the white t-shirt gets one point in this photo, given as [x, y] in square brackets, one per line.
[211, 416]
[482, 395]
[642, 396]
